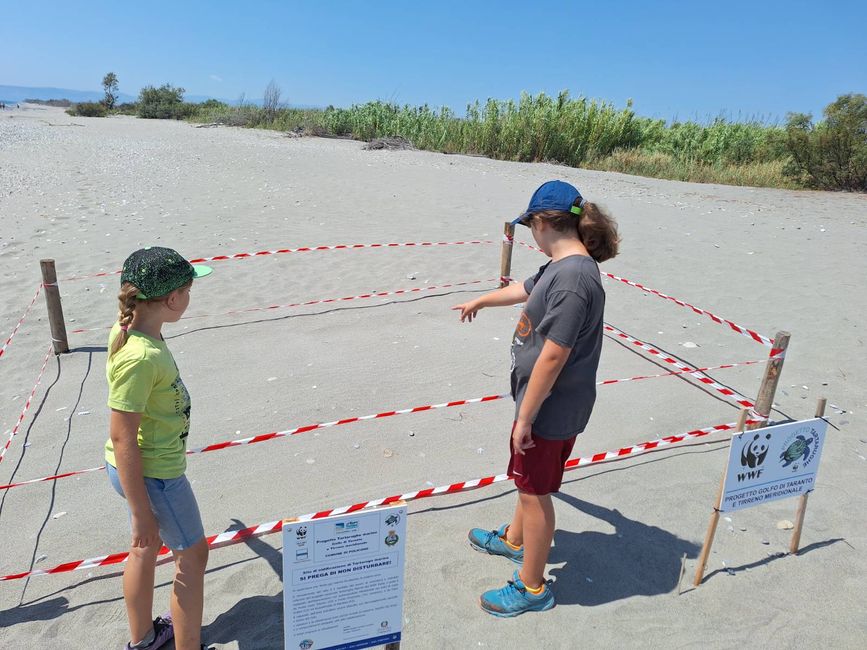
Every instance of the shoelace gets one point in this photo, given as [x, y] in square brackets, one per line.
[491, 535]
[511, 584]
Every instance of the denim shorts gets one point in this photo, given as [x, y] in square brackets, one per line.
[174, 506]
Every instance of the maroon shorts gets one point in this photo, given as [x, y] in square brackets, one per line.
[540, 470]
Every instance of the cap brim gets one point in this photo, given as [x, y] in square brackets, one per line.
[200, 270]
[520, 219]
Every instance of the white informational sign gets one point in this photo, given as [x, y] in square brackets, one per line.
[772, 463]
[343, 580]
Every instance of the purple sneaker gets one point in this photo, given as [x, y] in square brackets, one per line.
[163, 633]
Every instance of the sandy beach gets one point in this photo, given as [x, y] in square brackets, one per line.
[87, 192]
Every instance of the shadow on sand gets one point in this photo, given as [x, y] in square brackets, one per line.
[633, 560]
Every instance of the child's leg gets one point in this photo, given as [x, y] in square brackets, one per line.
[537, 514]
[138, 590]
[188, 595]
[515, 531]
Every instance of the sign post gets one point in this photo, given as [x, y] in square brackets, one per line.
[343, 580]
[765, 465]
[714, 517]
[506, 253]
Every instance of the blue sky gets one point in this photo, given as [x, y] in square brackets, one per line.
[674, 59]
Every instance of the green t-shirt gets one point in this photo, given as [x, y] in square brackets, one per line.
[143, 378]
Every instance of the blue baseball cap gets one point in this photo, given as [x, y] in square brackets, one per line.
[553, 195]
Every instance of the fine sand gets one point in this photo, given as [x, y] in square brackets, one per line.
[87, 192]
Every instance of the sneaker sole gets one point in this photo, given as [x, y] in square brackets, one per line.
[549, 605]
[482, 549]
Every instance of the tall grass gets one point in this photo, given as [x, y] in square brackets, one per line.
[579, 132]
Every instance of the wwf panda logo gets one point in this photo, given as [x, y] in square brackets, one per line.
[301, 533]
[754, 451]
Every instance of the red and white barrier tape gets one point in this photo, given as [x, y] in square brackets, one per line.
[20, 321]
[301, 249]
[531, 247]
[27, 404]
[321, 301]
[740, 329]
[755, 336]
[236, 536]
[264, 437]
[418, 409]
[684, 371]
[723, 390]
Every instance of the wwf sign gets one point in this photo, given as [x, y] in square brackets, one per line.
[772, 463]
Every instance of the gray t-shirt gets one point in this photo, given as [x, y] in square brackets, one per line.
[565, 305]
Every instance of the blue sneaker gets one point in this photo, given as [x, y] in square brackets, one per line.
[514, 599]
[493, 542]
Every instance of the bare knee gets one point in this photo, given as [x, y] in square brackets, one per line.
[147, 553]
[194, 559]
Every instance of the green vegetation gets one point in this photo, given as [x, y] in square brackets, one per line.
[88, 109]
[832, 154]
[163, 103]
[576, 132]
[57, 103]
[109, 84]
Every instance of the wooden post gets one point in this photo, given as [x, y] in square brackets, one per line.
[714, 518]
[506, 255]
[802, 500]
[55, 309]
[768, 388]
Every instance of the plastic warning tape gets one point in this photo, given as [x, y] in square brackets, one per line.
[20, 321]
[264, 437]
[27, 404]
[321, 301]
[236, 536]
[704, 379]
[740, 329]
[302, 249]
[418, 409]
[755, 336]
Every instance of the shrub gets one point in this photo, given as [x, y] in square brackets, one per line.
[60, 103]
[127, 108]
[88, 109]
[163, 103]
[831, 154]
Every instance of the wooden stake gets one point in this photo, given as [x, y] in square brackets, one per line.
[802, 500]
[506, 254]
[714, 518]
[768, 387]
[55, 309]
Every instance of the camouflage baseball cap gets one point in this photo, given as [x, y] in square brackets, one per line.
[157, 271]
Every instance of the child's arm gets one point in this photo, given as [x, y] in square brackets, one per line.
[510, 295]
[124, 438]
[547, 368]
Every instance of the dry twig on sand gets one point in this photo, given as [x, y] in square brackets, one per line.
[392, 143]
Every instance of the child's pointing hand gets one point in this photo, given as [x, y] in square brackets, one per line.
[468, 310]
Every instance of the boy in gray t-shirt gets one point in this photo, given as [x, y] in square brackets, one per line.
[555, 355]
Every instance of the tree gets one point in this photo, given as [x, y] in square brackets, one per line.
[163, 103]
[109, 83]
[271, 99]
[831, 154]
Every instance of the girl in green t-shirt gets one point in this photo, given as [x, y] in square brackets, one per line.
[146, 451]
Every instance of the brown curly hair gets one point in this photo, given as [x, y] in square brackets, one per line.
[594, 227]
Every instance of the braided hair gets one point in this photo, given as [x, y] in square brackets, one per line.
[126, 298]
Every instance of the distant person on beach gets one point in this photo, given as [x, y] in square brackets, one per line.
[555, 355]
[146, 451]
